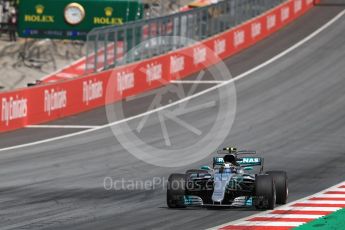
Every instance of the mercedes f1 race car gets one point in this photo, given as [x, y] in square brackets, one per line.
[228, 183]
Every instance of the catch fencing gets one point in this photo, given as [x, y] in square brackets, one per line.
[113, 46]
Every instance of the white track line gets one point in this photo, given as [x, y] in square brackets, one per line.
[196, 82]
[330, 196]
[61, 126]
[322, 202]
[326, 209]
[239, 77]
[337, 190]
[280, 216]
[270, 224]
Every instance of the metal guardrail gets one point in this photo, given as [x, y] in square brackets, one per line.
[152, 37]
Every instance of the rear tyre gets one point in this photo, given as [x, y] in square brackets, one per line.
[265, 192]
[176, 189]
[281, 184]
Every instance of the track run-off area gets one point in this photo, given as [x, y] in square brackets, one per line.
[290, 109]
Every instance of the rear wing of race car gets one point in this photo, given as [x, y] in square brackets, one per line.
[235, 151]
[218, 161]
[244, 152]
[250, 161]
[242, 161]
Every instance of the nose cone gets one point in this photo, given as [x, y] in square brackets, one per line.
[218, 196]
[220, 182]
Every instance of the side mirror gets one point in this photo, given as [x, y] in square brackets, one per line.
[205, 168]
[248, 168]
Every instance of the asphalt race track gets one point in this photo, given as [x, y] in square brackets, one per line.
[292, 110]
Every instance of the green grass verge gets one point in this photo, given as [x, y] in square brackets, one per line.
[333, 221]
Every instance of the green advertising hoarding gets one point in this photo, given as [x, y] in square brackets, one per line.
[68, 19]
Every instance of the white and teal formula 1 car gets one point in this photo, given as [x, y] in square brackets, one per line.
[228, 183]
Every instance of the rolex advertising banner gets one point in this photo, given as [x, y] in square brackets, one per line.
[68, 19]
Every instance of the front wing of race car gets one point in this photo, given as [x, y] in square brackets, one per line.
[196, 201]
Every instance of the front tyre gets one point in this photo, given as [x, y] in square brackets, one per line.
[265, 192]
[176, 189]
[281, 184]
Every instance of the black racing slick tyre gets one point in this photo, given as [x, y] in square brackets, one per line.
[176, 189]
[265, 192]
[281, 183]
